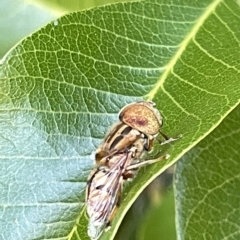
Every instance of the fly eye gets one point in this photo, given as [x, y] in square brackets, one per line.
[142, 116]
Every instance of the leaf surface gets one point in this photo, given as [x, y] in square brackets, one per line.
[207, 185]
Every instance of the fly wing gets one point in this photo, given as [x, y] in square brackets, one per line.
[103, 192]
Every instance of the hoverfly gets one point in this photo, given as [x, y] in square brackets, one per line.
[137, 120]
[118, 159]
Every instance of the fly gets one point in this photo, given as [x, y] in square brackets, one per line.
[118, 158]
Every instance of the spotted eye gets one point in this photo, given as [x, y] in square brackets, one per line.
[142, 116]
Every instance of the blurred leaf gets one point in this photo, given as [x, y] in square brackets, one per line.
[60, 90]
[159, 221]
[152, 203]
[17, 20]
[74, 5]
[207, 185]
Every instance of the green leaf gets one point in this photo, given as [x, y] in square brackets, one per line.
[61, 89]
[207, 185]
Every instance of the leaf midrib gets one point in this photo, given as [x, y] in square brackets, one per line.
[169, 67]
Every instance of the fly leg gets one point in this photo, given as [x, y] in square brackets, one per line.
[145, 163]
[168, 139]
[130, 171]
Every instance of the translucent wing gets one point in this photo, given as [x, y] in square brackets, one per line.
[103, 193]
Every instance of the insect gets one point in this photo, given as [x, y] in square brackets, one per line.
[118, 158]
[137, 120]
